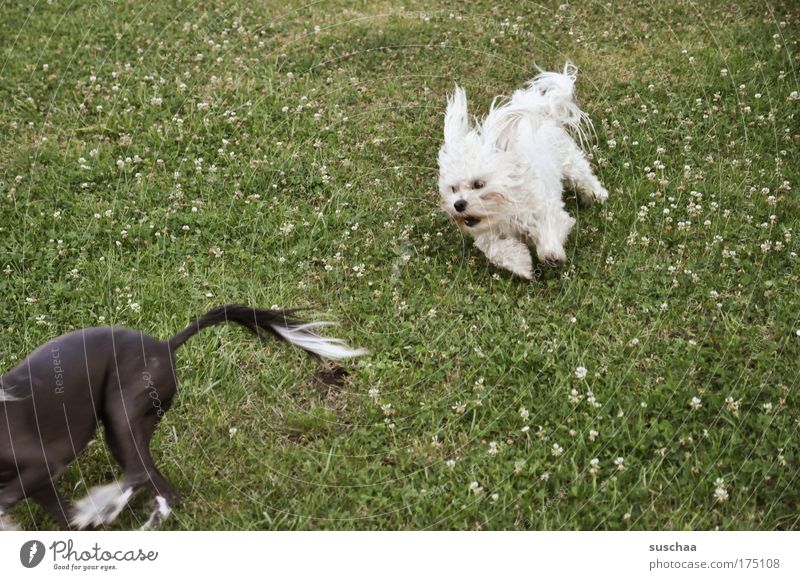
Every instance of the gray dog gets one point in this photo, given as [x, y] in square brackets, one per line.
[51, 403]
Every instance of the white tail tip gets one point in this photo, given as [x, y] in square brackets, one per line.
[330, 348]
[101, 506]
[6, 397]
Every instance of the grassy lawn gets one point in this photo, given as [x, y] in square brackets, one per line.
[161, 158]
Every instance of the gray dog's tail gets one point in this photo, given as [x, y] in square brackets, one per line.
[281, 324]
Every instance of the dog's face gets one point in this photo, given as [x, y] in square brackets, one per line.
[476, 173]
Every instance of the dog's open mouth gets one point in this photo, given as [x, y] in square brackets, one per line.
[471, 221]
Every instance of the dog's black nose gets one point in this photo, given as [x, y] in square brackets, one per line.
[460, 205]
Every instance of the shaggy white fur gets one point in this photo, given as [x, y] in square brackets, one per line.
[502, 180]
[101, 506]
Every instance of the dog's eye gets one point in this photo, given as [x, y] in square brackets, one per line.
[454, 188]
[478, 184]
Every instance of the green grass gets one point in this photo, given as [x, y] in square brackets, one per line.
[161, 158]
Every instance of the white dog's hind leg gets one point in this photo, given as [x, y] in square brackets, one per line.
[579, 174]
[506, 252]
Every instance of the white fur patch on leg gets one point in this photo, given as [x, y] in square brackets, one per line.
[158, 515]
[101, 506]
[6, 523]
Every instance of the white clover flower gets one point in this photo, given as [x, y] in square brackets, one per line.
[557, 450]
[620, 463]
[581, 372]
[720, 492]
[695, 403]
[732, 405]
[590, 398]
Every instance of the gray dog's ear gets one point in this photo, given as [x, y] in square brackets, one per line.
[456, 119]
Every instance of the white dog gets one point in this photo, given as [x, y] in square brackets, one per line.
[502, 180]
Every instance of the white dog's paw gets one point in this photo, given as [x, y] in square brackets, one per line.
[552, 255]
[601, 195]
[596, 195]
[520, 264]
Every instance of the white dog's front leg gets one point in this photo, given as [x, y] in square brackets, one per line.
[549, 232]
[506, 252]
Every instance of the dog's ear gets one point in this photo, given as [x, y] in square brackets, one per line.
[456, 119]
[494, 196]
